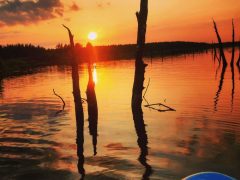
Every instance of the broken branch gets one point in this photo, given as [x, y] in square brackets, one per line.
[60, 98]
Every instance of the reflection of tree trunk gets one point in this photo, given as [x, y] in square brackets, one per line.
[1, 87]
[78, 106]
[233, 84]
[139, 64]
[142, 140]
[92, 108]
[222, 55]
[216, 99]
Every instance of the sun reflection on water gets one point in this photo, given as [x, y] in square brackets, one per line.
[95, 79]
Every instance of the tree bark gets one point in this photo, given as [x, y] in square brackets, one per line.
[78, 105]
[139, 64]
[222, 55]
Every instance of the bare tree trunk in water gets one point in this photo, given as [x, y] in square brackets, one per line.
[233, 44]
[222, 55]
[92, 101]
[232, 65]
[78, 105]
[139, 64]
[138, 89]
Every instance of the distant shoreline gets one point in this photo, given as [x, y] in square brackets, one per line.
[18, 59]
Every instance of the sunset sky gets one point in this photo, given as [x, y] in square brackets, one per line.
[39, 21]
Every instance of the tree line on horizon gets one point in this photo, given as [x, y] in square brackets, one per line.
[61, 52]
[17, 58]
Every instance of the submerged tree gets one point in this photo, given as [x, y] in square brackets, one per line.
[222, 55]
[139, 64]
[223, 58]
[78, 105]
[138, 88]
[92, 101]
[232, 64]
[233, 44]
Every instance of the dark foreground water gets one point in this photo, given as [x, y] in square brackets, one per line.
[203, 134]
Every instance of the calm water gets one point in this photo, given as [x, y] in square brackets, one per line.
[202, 135]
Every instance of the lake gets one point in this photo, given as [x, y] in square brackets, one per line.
[38, 140]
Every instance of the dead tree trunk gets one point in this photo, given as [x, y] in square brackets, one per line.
[78, 105]
[232, 64]
[222, 55]
[92, 101]
[139, 64]
[233, 44]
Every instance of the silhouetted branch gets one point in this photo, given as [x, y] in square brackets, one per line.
[146, 88]
[233, 44]
[60, 98]
[70, 36]
[62, 102]
[160, 104]
[222, 55]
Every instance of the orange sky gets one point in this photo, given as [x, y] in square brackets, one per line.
[39, 22]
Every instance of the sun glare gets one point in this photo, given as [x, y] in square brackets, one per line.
[92, 36]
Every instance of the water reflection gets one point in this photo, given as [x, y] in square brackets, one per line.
[26, 129]
[221, 80]
[220, 86]
[233, 86]
[1, 87]
[95, 79]
[195, 138]
[142, 140]
[92, 106]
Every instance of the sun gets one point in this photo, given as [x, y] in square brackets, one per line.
[92, 36]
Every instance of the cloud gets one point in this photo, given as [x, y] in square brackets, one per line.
[74, 7]
[29, 12]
